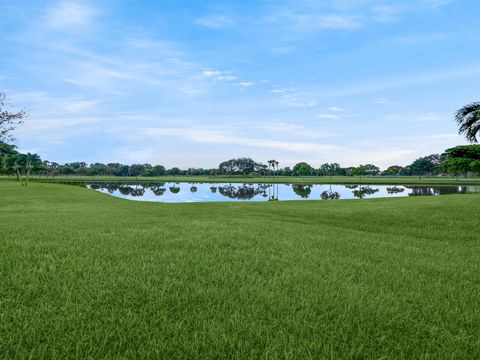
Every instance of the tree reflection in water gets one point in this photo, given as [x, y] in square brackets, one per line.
[395, 190]
[158, 191]
[302, 190]
[174, 189]
[269, 192]
[440, 190]
[241, 192]
[329, 194]
[364, 191]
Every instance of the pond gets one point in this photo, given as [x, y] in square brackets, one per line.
[206, 192]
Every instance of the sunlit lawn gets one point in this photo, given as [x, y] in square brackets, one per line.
[84, 275]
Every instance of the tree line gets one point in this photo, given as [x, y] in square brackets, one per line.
[460, 160]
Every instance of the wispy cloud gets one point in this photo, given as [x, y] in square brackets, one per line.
[307, 22]
[69, 14]
[246, 84]
[381, 100]
[328, 116]
[438, 3]
[216, 21]
[218, 75]
[213, 136]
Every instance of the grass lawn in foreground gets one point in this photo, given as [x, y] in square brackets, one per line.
[88, 276]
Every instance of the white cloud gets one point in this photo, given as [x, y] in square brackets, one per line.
[386, 12]
[429, 117]
[68, 14]
[308, 22]
[246, 83]
[216, 21]
[438, 3]
[328, 116]
[418, 39]
[218, 75]
[337, 109]
[213, 136]
[383, 101]
[293, 130]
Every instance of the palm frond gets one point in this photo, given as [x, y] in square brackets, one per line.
[468, 119]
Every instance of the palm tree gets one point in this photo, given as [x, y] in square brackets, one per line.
[468, 119]
[32, 161]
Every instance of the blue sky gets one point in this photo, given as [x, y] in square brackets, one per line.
[192, 83]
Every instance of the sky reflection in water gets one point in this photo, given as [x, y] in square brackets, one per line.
[205, 192]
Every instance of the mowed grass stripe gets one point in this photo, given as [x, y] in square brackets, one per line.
[85, 275]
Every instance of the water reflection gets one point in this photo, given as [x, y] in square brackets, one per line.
[302, 190]
[199, 192]
[361, 192]
[174, 189]
[330, 194]
[395, 190]
[441, 190]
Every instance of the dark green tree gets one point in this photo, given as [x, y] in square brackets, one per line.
[302, 169]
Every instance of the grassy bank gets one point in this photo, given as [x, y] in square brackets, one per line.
[85, 275]
[374, 180]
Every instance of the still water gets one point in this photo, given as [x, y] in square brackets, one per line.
[204, 192]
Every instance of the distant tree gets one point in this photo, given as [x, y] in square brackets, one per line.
[6, 150]
[302, 169]
[371, 170]
[147, 170]
[365, 170]
[228, 167]
[242, 166]
[23, 164]
[475, 167]
[136, 169]
[32, 162]
[260, 168]
[174, 171]
[359, 171]
[245, 165]
[273, 164]
[427, 165]
[97, 169]
[463, 151]
[158, 170]
[393, 170]
[329, 169]
[468, 120]
[458, 165]
[286, 171]
[462, 159]
[9, 120]
[114, 169]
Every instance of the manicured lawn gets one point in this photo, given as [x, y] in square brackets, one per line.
[88, 276]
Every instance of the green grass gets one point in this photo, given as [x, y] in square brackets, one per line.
[376, 180]
[88, 276]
